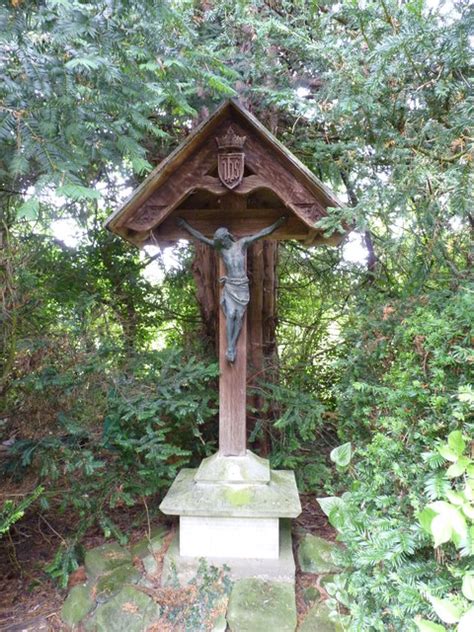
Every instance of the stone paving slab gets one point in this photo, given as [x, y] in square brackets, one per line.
[256, 605]
[105, 558]
[315, 555]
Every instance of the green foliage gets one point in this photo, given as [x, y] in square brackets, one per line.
[12, 511]
[298, 426]
[154, 413]
[70, 72]
[451, 519]
[375, 98]
[66, 560]
[409, 385]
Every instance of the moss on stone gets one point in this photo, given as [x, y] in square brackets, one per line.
[78, 604]
[129, 611]
[110, 584]
[238, 497]
[315, 555]
[146, 545]
[105, 558]
[258, 606]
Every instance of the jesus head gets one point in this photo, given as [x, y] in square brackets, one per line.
[223, 238]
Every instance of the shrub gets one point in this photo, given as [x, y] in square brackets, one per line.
[154, 417]
[406, 390]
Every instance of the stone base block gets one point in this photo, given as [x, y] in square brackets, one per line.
[249, 469]
[182, 569]
[277, 499]
[201, 536]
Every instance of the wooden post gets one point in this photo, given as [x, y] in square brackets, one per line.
[232, 390]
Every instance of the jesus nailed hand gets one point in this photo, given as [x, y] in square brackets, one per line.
[235, 293]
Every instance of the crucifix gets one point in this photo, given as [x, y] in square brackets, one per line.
[235, 292]
[230, 185]
[234, 300]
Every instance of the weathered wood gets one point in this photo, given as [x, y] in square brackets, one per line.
[193, 167]
[262, 362]
[262, 357]
[255, 308]
[204, 269]
[237, 222]
[269, 311]
[232, 390]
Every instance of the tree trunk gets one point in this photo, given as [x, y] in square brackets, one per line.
[205, 272]
[262, 320]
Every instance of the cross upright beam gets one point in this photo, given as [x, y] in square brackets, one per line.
[232, 390]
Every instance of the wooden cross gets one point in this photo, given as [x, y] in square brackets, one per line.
[230, 171]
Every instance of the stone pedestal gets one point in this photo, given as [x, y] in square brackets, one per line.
[230, 510]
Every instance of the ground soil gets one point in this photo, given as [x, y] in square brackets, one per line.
[31, 601]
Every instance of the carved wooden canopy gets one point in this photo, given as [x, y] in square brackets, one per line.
[230, 171]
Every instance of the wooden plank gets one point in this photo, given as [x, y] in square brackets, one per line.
[172, 192]
[205, 269]
[235, 221]
[232, 390]
[290, 162]
[255, 308]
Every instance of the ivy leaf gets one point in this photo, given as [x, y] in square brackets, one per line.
[457, 469]
[448, 454]
[468, 511]
[468, 491]
[468, 587]
[452, 516]
[330, 503]
[337, 517]
[426, 517]
[441, 529]
[454, 497]
[456, 442]
[342, 455]
[429, 626]
[446, 610]
[466, 623]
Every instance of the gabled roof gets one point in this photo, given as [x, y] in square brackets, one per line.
[273, 173]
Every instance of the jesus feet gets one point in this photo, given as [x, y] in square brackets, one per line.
[230, 355]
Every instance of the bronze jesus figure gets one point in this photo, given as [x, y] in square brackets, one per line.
[235, 293]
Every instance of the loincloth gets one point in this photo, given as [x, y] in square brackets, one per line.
[236, 292]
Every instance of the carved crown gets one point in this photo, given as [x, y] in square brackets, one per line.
[230, 140]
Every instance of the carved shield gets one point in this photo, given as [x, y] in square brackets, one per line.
[230, 168]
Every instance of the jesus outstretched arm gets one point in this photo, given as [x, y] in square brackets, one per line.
[250, 239]
[195, 233]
